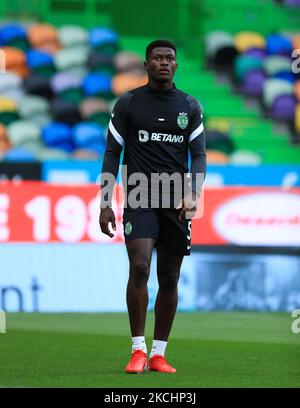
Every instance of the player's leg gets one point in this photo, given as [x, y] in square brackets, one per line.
[173, 244]
[168, 271]
[139, 254]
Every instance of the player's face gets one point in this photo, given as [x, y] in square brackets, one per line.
[161, 64]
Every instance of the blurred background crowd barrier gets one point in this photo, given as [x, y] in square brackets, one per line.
[63, 64]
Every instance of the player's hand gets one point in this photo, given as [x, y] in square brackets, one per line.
[188, 206]
[107, 216]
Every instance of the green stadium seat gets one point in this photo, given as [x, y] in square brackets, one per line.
[32, 105]
[23, 131]
[244, 157]
[273, 88]
[52, 154]
[274, 64]
[71, 57]
[127, 61]
[72, 36]
[216, 40]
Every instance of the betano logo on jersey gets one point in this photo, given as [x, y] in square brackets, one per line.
[159, 137]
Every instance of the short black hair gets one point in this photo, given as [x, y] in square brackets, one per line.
[159, 43]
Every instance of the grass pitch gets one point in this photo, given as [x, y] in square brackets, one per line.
[208, 350]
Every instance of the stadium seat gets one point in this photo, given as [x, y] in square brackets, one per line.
[15, 61]
[65, 111]
[65, 80]
[216, 157]
[7, 104]
[293, 3]
[20, 154]
[104, 40]
[38, 85]
[96, 84]
[71, 57]
[283, 108]
[247, 39]
[43, 37]
[297, 119]
[4, 142]
[55, 133]
[216, 40]
[275, 64]
[53, 154]
[9, 81]
[127, 61]
[224, 58]
[244, 63]
[286, 76]
[95, 110]
[296, 42]
[101, 63]
[275, 87]
[256, 52]
[8, 110]
[72, 36]
[85, 154]
[244, 157]
[123, 82]
[297, 90]
[40, 62]
[33, 105]
[87, 135]
[219, 141]
[14, 35]
[278, 44]
[23, 131]
[252, 84]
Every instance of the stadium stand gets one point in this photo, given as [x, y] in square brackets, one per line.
[57, 89]
[63, 79]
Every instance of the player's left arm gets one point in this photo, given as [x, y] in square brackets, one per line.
[197, 148]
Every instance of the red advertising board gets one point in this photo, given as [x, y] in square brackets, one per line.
[41, 212]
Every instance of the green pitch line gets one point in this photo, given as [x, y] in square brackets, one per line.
[208, 350]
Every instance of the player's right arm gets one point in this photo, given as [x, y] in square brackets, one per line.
[117, 129]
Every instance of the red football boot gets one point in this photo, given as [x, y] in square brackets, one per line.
[158, 363]
[137, 363]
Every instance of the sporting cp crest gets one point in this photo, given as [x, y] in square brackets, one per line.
[182, 120]
[128, 228]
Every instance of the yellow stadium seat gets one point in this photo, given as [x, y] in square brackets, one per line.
[247, 39]
[7, 105]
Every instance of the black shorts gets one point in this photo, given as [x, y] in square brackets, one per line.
[161, 224]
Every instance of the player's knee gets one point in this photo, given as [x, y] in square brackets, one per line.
[140, 273]
[168, 281]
